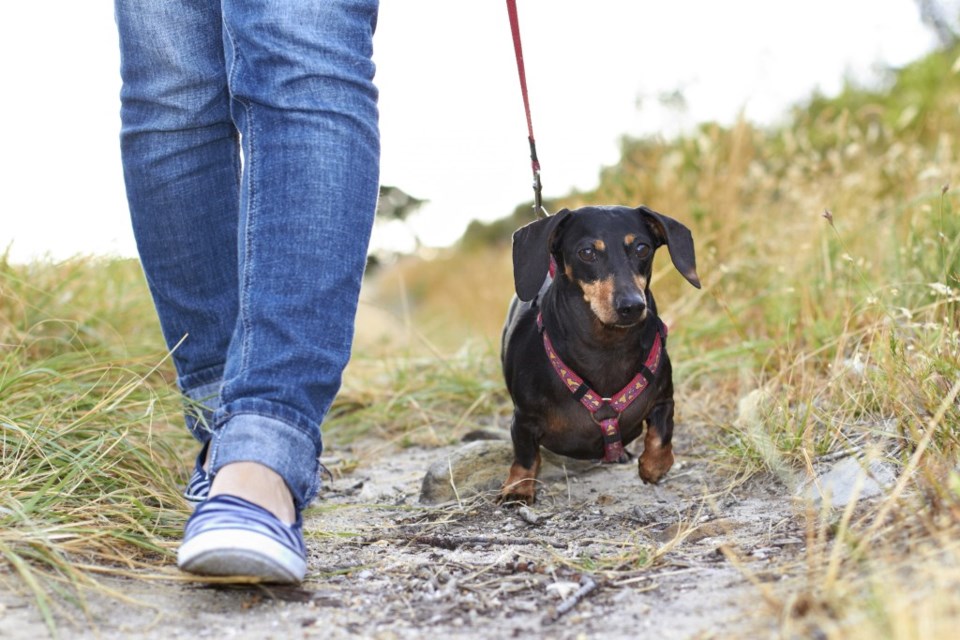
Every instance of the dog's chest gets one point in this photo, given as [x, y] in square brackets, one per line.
[571, 429]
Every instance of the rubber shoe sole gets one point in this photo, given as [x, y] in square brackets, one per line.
[240, 553]
[229, 536]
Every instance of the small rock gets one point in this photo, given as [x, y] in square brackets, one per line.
[839, 484]
[563, 589]
[528, 515]
[477, 467]
[482, 466]
[762, 553]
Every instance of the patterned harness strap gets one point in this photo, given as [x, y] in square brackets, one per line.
[593, 401]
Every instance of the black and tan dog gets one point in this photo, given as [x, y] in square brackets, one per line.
[584, 353]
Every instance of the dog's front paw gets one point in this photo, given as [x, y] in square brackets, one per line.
[655, 462]
[515, 498]
[520, 486]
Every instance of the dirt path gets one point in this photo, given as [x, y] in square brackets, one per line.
[647, 560]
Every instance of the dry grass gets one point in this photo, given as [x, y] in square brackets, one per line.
[846, 327]
[830, 253]
[89, 468]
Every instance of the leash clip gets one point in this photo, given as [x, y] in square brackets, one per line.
[538, 209]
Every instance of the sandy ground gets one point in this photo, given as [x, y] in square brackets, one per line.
[680, 560]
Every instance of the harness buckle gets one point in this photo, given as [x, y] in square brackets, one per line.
[599, 421]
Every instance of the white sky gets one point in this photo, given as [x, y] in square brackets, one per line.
[453, 128]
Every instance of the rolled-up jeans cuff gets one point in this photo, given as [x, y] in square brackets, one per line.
[284, 447]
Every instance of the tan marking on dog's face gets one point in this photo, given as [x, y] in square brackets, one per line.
[641, 282]
[628, 239]
[568, 270]
[600, 245]
[599, 295]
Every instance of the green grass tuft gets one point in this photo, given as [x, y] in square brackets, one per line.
[90, 466]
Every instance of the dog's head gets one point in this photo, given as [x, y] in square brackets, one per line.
[607, 252]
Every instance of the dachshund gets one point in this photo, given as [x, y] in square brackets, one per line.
[583, 350]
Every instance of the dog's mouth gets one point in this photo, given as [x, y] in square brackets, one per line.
[629, 324]
[618, 321]
[610, 317]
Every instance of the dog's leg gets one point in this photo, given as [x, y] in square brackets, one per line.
[520, 485]
[657, 457]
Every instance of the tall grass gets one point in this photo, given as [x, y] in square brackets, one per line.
[94, 453]
[830, 251]
[408, 398]
[832, 247]
[90, 467]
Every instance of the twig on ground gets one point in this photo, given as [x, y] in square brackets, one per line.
[587, 586]
[836, 455]
[454, 542]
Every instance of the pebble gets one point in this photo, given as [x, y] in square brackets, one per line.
[839, 484]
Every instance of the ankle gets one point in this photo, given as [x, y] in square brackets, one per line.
[258, 484]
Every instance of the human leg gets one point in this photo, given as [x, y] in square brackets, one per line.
[303, 99]
[300, 78]
[181, 162]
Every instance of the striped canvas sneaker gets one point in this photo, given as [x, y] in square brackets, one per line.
[198, 488]
[230, 536]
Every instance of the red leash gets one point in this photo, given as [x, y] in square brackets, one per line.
[535, 163]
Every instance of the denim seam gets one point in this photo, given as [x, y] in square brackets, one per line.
[250, 232]
[249, 223]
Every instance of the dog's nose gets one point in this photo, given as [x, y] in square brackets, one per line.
[630, 307]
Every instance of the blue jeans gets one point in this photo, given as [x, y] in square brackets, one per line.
[250, 149]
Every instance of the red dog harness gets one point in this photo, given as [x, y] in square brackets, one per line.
[593, 401]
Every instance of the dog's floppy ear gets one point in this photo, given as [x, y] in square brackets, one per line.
[532, 245]
[679, 242]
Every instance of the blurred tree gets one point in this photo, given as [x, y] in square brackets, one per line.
[479, 235]
[942, 17]
[394, 205]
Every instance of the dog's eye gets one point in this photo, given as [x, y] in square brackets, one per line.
[642, 250]
[587, 254]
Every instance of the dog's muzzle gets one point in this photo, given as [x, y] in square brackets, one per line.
[631, 308]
